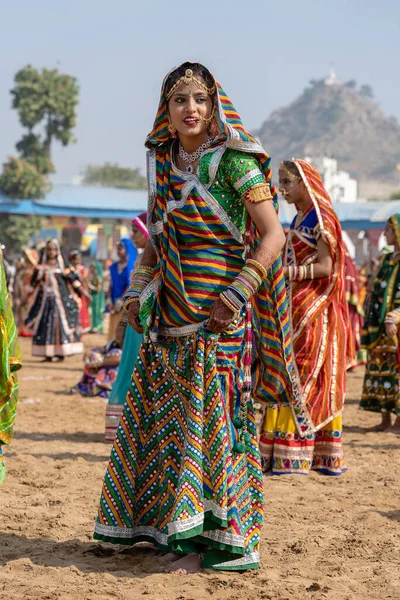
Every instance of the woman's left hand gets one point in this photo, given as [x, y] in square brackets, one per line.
[220, 317]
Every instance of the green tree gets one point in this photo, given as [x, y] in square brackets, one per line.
[366, 91]
[395, 195]
[20, 179]
[45, 100]
[31, 149]
[113, 175]
[17, 230]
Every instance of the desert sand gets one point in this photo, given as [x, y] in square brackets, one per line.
[323, 537]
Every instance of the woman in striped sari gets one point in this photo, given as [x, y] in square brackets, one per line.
[185, 470]
[314, 261]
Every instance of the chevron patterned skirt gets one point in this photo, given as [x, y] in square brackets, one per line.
[173, 478]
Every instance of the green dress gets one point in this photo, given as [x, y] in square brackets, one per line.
[382, 378]
[10, 362]
[96, 287]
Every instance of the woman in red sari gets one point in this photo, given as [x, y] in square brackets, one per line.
[356, 313]
[307, 434]
[75, 259]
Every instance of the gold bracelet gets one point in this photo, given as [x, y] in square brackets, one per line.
[144, 268]
[259, 266]
[129, 301]
[228, 303]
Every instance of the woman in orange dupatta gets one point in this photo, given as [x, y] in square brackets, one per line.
[314, 259]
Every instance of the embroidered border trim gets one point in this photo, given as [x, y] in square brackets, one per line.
[248, 559]
[180, 331]
[243, 180]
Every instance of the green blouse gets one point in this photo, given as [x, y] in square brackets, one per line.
[238, 178]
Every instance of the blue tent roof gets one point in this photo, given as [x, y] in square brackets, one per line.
[357, 215]
[114, 203]
[84, 201]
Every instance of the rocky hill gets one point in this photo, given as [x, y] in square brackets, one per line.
[335, 119]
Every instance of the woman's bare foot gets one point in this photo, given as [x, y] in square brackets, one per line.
[383, 425]
[169, 557]
[190, 563]
[395, 428]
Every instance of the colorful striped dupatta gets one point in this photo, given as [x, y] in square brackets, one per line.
[275, 376]
[319, 310]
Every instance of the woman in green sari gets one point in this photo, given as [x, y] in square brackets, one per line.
[381, 337]
[10, 362]
[96, 287]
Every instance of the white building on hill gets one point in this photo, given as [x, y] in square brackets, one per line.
[339, 185]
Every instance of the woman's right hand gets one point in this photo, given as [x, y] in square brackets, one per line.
[133, 315]
[391, 329]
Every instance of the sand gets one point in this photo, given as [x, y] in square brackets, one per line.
[335, 538]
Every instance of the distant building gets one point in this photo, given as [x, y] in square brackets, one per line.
[332, 78]
[339, 185]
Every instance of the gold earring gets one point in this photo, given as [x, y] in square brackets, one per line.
[171, 128]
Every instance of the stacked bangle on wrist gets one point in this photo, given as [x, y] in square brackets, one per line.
[244, 286]
[140, 279]
[232, 305]
[298, 273]
[258, 266]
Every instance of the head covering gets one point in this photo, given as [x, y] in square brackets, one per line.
[141, 222]
[229, 125]
[131, 252]
[61, 259]
[120, 280]
[318, 194]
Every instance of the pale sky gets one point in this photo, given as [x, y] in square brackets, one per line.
[263, 53]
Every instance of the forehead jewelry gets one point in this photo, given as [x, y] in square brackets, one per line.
[288, 173]
[188, 78]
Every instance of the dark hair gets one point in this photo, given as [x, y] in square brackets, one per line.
[292, 168]
[197, 68]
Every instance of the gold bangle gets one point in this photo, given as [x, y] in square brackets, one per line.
[129, 301]
[228, 303]
[259, 266]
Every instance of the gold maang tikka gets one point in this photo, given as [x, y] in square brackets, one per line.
[188, 78]
[291, 176]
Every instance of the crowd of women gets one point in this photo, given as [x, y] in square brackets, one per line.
[217, 310]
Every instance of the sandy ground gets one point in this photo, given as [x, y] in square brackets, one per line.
[335, 538]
